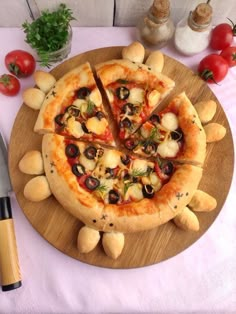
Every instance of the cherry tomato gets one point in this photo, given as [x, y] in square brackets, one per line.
[229, 54]
[20, 63]
[9, 85]
[222, 36]
[213, 68]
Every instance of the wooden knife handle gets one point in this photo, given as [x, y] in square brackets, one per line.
[9, 263]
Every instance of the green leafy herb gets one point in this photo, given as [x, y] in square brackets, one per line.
[127, 186]
[138, 173]
[102, 188]
[49, 32]
[90, 108]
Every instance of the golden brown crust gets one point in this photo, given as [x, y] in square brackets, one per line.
[187, 220]
[113, 244]
[214, 132]
[134, 52]
[37, 189]
[113, 70]
[32, 163]
[87, 239]
[206, 110]
[202, 202]
[131, 217]
[156, 61]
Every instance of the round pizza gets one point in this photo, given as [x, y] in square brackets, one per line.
[110, 157]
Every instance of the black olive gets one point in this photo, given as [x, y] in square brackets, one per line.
[83, 92]
[59, 119]
[113, 197]
[167, 168]
[78, 170]
[110, 172]
[122, 92]
[130, 144]
[148, 191]
[129, 109]
[125, 159]
[72, 151]
[125, 123]
[177, 135]
[73, 111]
[90, 152]
[155, 119]
[100, 115]
[127, 177]
[149, 148]
[84, 128]
[92, 183]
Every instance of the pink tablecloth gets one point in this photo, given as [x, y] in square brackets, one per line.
[202, 279]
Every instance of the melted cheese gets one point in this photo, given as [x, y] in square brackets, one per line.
[79, 102]
[155, 181]
[136, 96]
[87, 163]
[134, 192]
[169, 121]
[146, 129]
[168, 148]
[97, 126]
[153, 98]
[96, 98]
[110, 159]
[140, 165]
[74, 127]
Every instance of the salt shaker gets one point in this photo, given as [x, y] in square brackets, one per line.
[156, 27]
[192, 34]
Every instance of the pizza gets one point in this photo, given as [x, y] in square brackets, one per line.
[74, 107]
[133, 90]
[137, 177]
[174, 133]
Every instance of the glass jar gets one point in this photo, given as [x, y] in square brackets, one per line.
[192, 34]
[156, 27]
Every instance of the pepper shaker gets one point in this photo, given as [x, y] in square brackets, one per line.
[156, 27]
[192, 34]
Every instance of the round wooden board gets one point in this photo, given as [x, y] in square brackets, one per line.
[60, 229]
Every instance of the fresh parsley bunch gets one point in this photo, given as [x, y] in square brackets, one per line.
[49, 32]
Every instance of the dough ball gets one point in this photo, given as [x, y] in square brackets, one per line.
[32, 163]
[214, 132]
[44, 80]
[156, 61]
[87, 239]
[134, 52]
[187, 220]
[202, 202]
[37, 189]
[33, 98]
[206, 110]
[113, 243]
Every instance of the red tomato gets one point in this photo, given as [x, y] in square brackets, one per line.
[213, 68]
[222, 36]
[229, 54]
[9, 85]
[20, 63]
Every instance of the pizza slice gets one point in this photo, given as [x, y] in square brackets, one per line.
[133, 91]
[111, 191]
[74, 108]
[173, 133]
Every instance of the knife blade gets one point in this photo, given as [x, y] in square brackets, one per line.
[9, 263]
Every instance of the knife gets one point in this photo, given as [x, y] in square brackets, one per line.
[9, 265]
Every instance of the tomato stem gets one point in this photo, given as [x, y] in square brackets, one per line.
[233, 26]
[207, 75]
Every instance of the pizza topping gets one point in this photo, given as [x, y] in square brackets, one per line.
[125, 123]
[89, 164]
[168, 149]
[78, 170]
[177, 135]
[73, 111]
[134, 192]
[83, 92]
[113, 197]
[131, 144]
[59, 119]
[96, 126]
[92, 183]
[136, 95]
[125, 159]
[148, 191]
[84, 128]
[110, 159]
[169, 121]
[72, 151]
[155, 119]
[153, 98]
[90, 152]
[122, 92]
[149, 147]
[129, 109]
[74, 127]
[167, 168]
[100, 115]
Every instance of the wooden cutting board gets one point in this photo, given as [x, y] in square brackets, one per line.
[144, 248]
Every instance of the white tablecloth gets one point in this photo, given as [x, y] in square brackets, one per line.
[202, 279]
